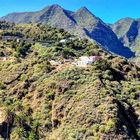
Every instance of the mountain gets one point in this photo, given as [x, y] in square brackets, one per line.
[96, 29]
[122, 26]
[82, 23]
[128, 32]
[45, 95]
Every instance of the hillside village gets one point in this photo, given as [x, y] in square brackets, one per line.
[82, 61]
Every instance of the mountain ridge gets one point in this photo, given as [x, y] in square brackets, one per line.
[128, 32]
[82, 23]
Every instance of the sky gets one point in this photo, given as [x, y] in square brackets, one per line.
[108, 10]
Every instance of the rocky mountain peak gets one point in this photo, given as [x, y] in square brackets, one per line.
[84, 11]
[55, 6]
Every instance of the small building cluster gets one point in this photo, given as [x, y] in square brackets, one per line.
[85, 60]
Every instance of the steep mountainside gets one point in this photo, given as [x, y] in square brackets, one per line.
[98, 30]
[40, 100]
[122, 26]
[128, 31]
[82, 23]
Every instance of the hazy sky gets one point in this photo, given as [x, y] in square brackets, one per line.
[108, 10]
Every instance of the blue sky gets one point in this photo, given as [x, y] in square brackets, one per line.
[108, 10]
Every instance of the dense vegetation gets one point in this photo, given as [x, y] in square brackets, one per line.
[42, 101]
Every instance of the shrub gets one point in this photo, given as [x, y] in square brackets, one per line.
[2, 86]
[111, 125]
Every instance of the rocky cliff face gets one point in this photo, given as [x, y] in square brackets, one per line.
[128, 32]
[82, 23]
[96, 29]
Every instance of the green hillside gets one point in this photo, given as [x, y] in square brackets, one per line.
[42, 101]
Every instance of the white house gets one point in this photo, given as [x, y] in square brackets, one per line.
[85, 60]
[63, 41]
